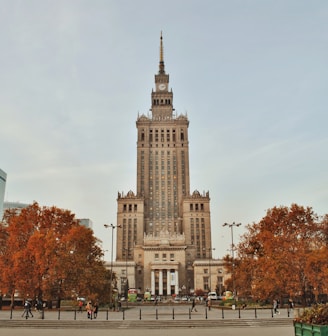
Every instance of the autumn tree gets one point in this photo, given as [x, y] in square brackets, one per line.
[46, 253]
[283, 255]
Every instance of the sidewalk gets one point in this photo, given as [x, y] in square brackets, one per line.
[270, 331]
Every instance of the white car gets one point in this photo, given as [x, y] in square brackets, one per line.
[212, 296]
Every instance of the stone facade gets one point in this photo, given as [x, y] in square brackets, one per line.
[163, 228]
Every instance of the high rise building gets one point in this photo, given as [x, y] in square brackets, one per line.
[3, 179]
[163, 228]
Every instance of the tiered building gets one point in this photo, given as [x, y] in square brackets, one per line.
[163, 228]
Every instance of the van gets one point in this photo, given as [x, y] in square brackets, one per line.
[212, 296]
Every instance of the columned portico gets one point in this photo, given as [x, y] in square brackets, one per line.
[168, 289]
[176, 288]
[165, 279]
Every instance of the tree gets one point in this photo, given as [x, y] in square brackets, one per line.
[278, 255]
[45, 252]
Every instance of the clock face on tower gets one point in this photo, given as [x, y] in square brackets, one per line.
[162, 86]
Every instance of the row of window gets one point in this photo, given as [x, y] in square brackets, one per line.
[164, 257]
[161, 135]
[196, 207]
[130, 207]
[161, 101]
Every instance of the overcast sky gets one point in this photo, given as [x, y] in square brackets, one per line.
[252, 75]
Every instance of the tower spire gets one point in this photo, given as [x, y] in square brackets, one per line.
[161, 57]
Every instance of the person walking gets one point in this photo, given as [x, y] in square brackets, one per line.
[27, 309]
[193, 305]
[290, 305]
[275, 307]
[95, 310]
[88, 308]
[80, 306]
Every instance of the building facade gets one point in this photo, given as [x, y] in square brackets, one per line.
[3, 179]
[163, 227]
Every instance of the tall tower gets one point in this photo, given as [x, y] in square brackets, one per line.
[163, 228]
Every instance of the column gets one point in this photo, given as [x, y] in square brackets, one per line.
[176, 288]
[160, 285]
[152, 282]
[168, 289]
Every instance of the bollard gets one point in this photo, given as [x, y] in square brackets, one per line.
[206, 313]
[75, 314]
[189, 313]
[271, 312]
[173, 314]
[11, 313]
[156, 314]
[239, 313]
[255, 313]
[123, 314]
[107, 315]
[140, 314]
[58, 313]
[222, 313]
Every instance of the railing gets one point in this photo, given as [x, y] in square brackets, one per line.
[152, 313]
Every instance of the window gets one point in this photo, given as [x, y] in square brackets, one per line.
[172, 256]
[182, 136]
[205, 281]
[164, 256]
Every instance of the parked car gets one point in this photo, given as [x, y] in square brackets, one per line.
[213, 296]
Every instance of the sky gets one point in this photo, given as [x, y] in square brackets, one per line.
[252, 76]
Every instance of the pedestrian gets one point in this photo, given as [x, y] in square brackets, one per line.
[193, 305]
[80, 306]
[88, 308]
[27, 309]
[95, 310]
[209, 303]
[39, 305]
[290, 305]
[275, 307]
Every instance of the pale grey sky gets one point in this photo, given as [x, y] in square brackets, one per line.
[251, 74]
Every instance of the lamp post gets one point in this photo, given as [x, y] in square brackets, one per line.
[126, 285]
[231, 226]
[111, 264]
[209, 268]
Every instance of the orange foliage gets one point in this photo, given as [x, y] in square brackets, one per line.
[284, 255]
[46, 253]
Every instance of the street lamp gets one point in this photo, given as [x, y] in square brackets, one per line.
[232, 255]
[111, 264]
[210, 271]
[126, 285]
